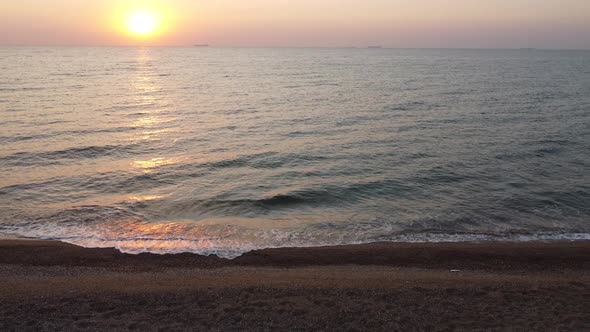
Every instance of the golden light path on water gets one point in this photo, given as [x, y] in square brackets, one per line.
[148, 165]
[155, 234]
[176, 235]
[143, 234]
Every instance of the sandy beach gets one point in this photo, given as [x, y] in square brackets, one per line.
[385, 286]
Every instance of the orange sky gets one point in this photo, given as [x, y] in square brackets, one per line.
[394, 23]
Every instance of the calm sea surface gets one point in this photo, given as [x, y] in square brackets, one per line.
[227, 150]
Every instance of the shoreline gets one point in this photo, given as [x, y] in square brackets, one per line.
[50, 285]
[530, 255]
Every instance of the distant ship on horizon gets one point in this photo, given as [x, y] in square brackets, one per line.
[201, 45]
[375, 46]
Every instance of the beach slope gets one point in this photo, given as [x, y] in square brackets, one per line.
[384, 286]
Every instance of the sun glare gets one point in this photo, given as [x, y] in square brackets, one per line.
[143, 23]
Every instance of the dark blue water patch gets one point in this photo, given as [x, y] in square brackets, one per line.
[370, 117]
[548, 151]
[517, 185]
[262, 160]
[458, 92]
[456, 224]
[25, 159]
[543, 148]
[135, 114]
[84, 186]
[343, 194]
[316, 133]
[474, 223]
[304, 159]
[193, 209]
[122, 182]
[554, 141]
[419, 155]
[21, 138]
[14, 189]
[240, 161]
[86, 215]
[445, 121]
[51, 122]
[131, 107]
[52, 134]
[20, 89]
[575, 200]
[269, 203]
[66, 74]
[412, 127]
[237, 111]
[414, 106]
[544, 97]
[12, 110]
[274, 161]
[438, 176]
[540, 208]
[99, 131]
[516, 155]
[313, 197]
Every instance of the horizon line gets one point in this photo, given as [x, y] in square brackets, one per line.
[374, 47]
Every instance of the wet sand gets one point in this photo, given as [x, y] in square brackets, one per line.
[524, 286]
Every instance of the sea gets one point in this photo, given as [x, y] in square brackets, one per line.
[220, 151]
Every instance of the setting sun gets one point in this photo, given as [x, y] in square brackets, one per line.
[143, 23]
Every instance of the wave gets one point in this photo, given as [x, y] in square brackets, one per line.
[95, 226]
[34, 137]
[415, 106]
[57, 156]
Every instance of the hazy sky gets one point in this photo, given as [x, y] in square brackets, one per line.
[391, 23]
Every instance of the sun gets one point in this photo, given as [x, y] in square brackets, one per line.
[143, 23]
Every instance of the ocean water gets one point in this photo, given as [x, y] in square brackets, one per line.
[222, 151]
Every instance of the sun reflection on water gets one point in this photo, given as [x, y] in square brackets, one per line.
[148, 95]
[147, 165]
[146, 198]
[147, 121]
[136, 236]
[155, 119]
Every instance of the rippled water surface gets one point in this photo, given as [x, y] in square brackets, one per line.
[226, 150]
